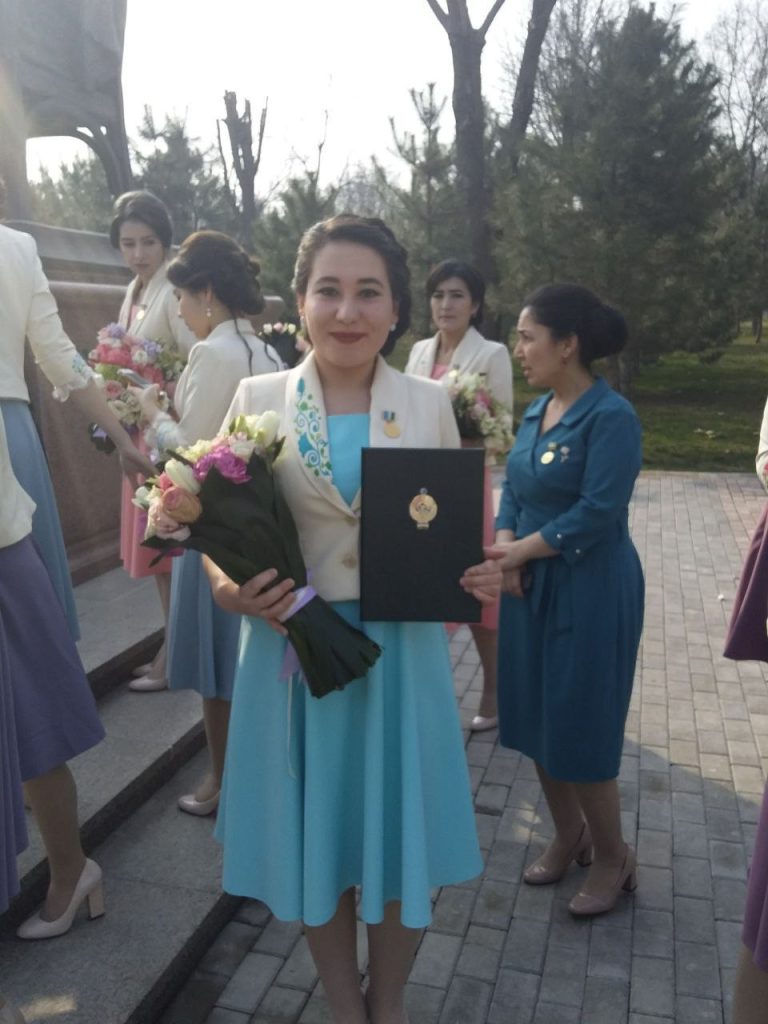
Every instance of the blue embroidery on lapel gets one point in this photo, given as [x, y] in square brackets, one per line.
[313, 447]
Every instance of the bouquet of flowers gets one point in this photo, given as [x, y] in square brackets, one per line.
[221, 498]
[117, 351]
[479, 415]
[286, 341]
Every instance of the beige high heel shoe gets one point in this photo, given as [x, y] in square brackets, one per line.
[89, 887]
[585, 904]
[543, 873]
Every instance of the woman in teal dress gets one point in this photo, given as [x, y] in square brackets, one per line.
[367, 786]
[572, 611]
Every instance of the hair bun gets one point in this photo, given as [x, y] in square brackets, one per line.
[608, 330]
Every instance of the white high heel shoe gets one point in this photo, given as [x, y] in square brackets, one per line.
[89, 887]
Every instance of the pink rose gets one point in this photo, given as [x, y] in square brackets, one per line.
[180, 505]
[164, 482]
[158, 523]
[113, 389]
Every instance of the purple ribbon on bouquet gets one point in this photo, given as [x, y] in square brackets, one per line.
[291, 663]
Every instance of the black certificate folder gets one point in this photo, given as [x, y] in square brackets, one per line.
[421, 527]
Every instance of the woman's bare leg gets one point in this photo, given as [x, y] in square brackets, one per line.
[334, 950]
[216, 719]
[391, 951]
[601, 806]
[163, 581]
[53, 799]
[486, 642]
[565, 809]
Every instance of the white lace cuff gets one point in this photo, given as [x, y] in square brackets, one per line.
[163, 432]
[82, 375]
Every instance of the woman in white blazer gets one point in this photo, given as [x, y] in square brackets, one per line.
[141, 229]
[456, 291]
[28, 313]
[368, 786]
[217, 285]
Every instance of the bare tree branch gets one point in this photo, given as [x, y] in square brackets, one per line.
[483, 30]
[439, 13]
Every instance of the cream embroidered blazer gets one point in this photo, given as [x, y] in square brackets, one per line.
[474, 354]
[160, 321]
[329, 528]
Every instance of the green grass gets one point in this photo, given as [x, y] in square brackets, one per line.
[680, 399]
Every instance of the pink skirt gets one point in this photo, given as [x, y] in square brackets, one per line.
[755, 931]
[133, 522]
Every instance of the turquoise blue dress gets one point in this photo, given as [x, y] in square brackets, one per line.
[567, 649]
[202, 638]
[365, 787]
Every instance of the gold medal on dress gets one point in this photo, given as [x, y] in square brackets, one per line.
[422, 509]
[547, 457]
[391, 428]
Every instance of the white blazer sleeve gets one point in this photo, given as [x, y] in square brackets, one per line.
[54, 353]
[449, 431]
[500, 375]
[761, 461]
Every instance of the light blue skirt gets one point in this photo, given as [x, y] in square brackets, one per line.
[365, 787]
[31, 470]
[203, 639]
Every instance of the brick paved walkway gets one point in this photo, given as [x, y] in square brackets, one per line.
[695, 756]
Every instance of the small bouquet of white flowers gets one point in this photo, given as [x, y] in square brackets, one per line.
[286, 340]
[221, 498]
[480, 417]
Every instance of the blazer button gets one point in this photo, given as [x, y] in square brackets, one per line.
[349, 562]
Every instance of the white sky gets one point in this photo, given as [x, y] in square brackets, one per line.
[355, 59]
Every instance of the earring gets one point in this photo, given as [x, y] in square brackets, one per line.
[208, 312]
[393, 327]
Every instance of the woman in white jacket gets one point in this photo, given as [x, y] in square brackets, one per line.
[142, 230]
[456, 292]
[217, 287]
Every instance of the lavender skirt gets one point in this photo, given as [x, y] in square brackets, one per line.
[54, 710]
[755, 931]
[13, 833]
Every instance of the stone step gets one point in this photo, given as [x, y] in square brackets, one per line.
[149, 737]
[164, 906]
[120, 624]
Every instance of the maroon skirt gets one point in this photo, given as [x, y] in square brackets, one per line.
[755, 931]
[747, 638]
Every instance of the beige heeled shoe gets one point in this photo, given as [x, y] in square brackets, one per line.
[543, 872]
[148, 684]
[585, 904]
[89, 887]
[202, 808]
[480, 723]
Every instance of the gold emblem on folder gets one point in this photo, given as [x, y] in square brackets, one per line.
[423, 509]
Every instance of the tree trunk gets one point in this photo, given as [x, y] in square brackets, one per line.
[522, 106]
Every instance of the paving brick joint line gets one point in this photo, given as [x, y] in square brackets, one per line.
[692, 773]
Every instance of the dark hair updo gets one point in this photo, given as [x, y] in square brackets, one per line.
[471, 278]
[568, 309]
[210, 259]
[374, 234]
[145, 208]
